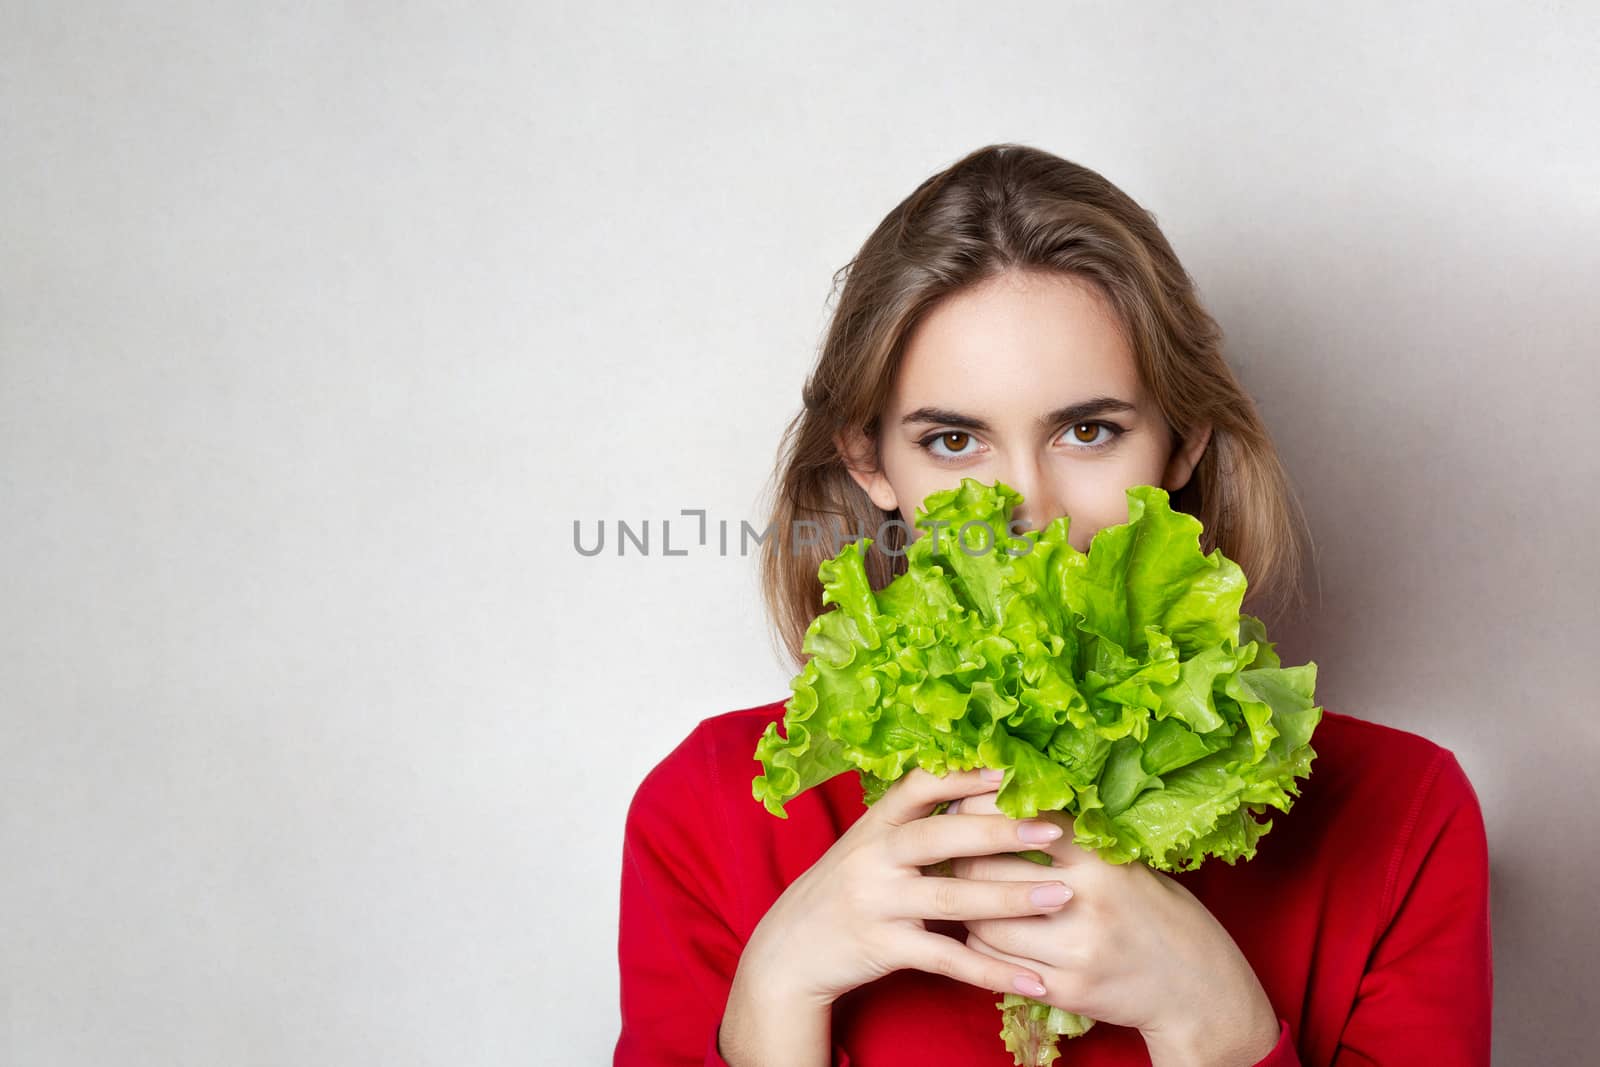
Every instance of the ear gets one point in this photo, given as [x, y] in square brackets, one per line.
[1185, 458]
[859, 453]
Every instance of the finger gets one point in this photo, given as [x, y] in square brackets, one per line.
[937, 954]
[915, 793]
[978, 944]
[1063, 851]
[961, 899]
[1068, 988]
[982, 804]
[1006, 869]
[1039, 934]
[924, 841]
[989, 803]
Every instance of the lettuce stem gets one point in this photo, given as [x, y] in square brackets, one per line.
[1032, 1030]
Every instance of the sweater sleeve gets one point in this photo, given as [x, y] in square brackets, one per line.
[1427, 991]
[1283, 1054]
[677, 948]
[1426, 994]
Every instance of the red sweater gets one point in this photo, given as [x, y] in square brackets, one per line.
[1365, 913]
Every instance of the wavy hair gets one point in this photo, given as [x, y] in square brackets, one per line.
[1002, 208]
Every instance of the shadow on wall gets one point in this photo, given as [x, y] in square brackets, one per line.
[1430, 392]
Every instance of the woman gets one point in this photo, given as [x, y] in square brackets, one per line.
[1020, 319]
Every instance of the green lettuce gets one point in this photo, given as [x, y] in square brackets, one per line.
[1122, 686]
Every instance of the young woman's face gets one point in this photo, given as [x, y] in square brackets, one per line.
[1024, 379]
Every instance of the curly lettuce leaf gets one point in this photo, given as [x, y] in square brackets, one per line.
[1122, 685]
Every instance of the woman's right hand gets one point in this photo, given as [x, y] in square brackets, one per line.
[860, 911]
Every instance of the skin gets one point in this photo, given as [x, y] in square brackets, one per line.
[1132, 946]
[1007, 353]
[860, 911]
[1128, 946]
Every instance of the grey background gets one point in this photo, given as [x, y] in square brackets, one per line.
[319, 326]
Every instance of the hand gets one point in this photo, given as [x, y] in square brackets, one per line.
[1132, 947]
[859, 912]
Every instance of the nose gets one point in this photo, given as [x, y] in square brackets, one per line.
[1039, 504]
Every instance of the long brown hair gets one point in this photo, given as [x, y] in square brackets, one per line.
[1012, 207]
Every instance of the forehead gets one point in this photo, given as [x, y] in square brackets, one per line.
[1017, 342]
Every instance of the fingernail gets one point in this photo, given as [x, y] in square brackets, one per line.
[989, 774]
[1038, 833]
[1028, 987]
[1050, 895]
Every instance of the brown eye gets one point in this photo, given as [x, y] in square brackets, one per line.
[950, 445]
[1092, 427]
[1083, 436]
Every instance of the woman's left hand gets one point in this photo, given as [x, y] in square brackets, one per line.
[1131, 947]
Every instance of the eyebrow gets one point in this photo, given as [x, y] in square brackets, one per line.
[1071, 413]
